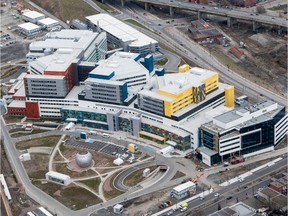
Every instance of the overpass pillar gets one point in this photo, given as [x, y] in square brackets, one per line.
[199, 15]
[229, 22]
[122, 3]
[254, 25]
[171, 11]
[146, 6]
[279, 30]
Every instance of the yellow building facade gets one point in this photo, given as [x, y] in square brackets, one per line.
[229, 96]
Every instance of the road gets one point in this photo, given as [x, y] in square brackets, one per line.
[52, 204]
[237, 189]
[118, 181]
[173, 61]
[196, 53]
[225, 12]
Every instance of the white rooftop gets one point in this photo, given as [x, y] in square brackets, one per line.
[29, 26]
[121, 30]
[76, 39]
[32, 14]
[58, 175]
[47, 21]
[123, 64]
[184, 186]
[17, 103]
[176, 83]
[58, 61]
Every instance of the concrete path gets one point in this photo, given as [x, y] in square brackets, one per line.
[51, 159]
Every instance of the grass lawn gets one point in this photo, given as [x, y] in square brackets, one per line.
[37, 167]
[67, 9]
[103, 6]
[136, 177]
[73, 197]
[56, 120]
[92, 183]
[12, 119]
[34, 131]
[133, 22]
[49, 141]
[162, 62]
[10, 71]
[61, 167]
[280, 7]
[16, 130]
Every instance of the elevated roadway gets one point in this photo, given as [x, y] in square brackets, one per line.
[224, 12]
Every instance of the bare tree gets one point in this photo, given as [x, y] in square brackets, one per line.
[260, 9]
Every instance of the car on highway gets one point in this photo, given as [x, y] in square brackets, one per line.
[188, 156]
[183, 209]
[228, 198]
[170, 213]
[217, 194]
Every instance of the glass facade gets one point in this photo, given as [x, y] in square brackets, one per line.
[208, 139]
[125, 124]
[81, 115]
[183, 142]
[250, 142]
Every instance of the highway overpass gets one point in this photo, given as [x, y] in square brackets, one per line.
[231, 14]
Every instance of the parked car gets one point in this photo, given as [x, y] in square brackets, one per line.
[188, 156]
[228, 198]
[161, 206]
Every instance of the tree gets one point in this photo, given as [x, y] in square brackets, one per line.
[260, 9]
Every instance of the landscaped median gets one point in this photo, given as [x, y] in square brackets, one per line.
[136, 177]
[110, 191]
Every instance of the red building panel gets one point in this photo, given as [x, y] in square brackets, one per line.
[32, 110]
[17, 111]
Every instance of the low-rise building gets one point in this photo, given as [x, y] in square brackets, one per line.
[183, 190]
[49, 24]
[203, 32]
[29, 29]
[32, 16]
[58, 178]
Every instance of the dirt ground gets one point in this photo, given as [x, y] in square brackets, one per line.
[218, 178]
[71, 196]
[266, 55]
[49, 141]
[37, 167]
[109, 191]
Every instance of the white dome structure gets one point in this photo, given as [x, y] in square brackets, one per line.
[83, 159]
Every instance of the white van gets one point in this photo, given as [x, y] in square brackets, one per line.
[105, 135]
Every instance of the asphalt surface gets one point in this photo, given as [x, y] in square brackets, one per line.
[236, 189]
[200, 56]
[173, 61]
[52, 204]
[229, 12]
[118, 181]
